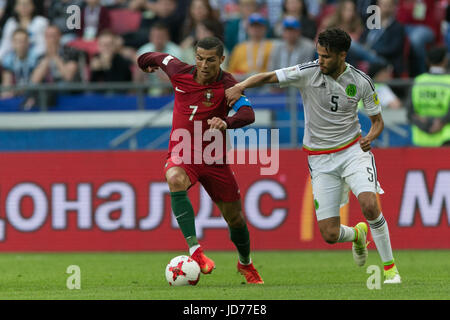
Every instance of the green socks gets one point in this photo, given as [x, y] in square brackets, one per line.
[184, 213]
[241, 239]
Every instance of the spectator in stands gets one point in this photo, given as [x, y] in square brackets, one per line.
[207, 28]
[236, 28]
[94, 19]
[383, 45]
[382, 73]
[199, 10]
[24, 16]
[429, 110]
[159, 41]
[57, 13]
[108, 65]
[346, 18]
[418, 18]
[19, 63]
[294, 48]
[298, 9]
[361, 8]
[252, 56]
[170, 12]
[8, 10]
[59, 63]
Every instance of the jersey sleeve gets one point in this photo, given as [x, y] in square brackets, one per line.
[370, 98]
[296, 76]
[169, 64]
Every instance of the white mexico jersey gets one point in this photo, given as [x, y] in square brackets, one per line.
[331, 115]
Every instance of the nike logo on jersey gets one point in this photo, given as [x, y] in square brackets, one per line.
[179, 90]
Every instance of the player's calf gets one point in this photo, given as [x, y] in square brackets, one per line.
[330, 237]
[330, 229]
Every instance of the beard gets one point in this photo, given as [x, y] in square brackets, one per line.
[329, 70]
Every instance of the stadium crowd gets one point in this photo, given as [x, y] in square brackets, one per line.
[49, 41]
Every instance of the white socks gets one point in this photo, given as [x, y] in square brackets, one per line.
[193, 248]
[347, 234]
[380, 235]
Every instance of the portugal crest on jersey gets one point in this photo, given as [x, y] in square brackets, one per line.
[208, 96]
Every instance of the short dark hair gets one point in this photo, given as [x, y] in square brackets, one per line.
[160, 26]
[20, 30]
[209, 43]
[436, 55]
[335, 40]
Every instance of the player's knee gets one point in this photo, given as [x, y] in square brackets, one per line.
[370, 209]
[177, 182]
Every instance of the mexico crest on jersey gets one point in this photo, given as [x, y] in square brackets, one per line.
[350, 90]
[208, 96]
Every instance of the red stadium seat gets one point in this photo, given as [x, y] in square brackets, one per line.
[124, 20]
[88, 46]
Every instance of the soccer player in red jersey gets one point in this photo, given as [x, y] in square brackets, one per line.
[200, 105]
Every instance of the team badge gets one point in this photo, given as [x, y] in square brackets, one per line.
[350, 90]
[375, 99]
[208, 95]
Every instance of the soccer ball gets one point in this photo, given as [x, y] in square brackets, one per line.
[182, 271]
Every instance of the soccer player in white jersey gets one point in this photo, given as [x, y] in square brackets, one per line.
[339, 158]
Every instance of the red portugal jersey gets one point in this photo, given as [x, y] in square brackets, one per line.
[194, 104]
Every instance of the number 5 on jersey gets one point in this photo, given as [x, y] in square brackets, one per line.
[194, 110]
[334, 101]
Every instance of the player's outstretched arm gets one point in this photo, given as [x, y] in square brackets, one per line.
[151, 61]
[234, 93]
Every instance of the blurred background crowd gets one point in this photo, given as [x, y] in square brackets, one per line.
[39, 44]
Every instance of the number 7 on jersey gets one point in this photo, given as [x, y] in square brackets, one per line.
[194, 110]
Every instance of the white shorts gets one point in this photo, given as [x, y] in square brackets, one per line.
[334, 175]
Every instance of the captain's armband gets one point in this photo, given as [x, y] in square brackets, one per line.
[243, 101]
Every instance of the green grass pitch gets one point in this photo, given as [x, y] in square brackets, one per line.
[288, 275]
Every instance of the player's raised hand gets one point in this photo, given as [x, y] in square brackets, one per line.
[217, 123]
[233, 94]
[365, 144]
[144, 61]
[150, 69]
